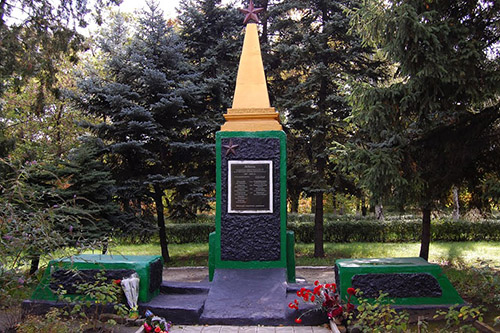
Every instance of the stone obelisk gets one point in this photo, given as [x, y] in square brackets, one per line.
[251, 173]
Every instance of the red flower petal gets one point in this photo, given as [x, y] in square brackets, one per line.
[298, 320]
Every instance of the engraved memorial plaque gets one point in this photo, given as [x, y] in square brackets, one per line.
[250, 187]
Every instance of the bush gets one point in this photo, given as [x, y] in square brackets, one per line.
[198, 219]
[181, 233]
[347, 229]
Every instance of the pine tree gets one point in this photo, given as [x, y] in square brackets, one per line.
[436, 124]
[316, 55]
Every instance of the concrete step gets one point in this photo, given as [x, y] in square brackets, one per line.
[175, 287]
[246, 297]
[178, 308]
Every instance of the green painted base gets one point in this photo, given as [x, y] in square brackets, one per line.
[347, 269]
[287, 255]
[140, 264]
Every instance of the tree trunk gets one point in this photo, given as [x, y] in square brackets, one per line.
[313, 204]
[104, 249]
[263, 38]
[2, 12]
[294, 203]
[319, 252]
[364, 208]
[379, 212]
[158, 197]
[456, 210]
[334, 204]
[35, 261]
[426, 233]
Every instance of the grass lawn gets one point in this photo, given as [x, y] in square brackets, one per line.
[464, 252]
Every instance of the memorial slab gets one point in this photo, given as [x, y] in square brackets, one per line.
[407, 281]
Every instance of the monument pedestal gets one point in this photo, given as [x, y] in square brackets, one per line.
[251, 203]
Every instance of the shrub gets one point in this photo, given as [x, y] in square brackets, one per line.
[52, 322]
[181, 233]
[347, 229]
[479, 284]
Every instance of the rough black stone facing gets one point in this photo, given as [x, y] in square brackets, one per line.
[397, 285]
[251, 237]
[69, 280]
[155, 275]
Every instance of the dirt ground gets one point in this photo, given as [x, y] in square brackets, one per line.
[304, 274]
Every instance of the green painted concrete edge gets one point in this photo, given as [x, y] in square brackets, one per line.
[290, 256]
[449, 295]
[43, 291]
[214, 240]
[212, 243]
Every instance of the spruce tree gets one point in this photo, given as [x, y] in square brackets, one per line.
[212, 35]
[144, 91]
[315, 56]
[436, 124]
[82, 188]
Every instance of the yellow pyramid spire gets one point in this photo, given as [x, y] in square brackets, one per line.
[251, 110]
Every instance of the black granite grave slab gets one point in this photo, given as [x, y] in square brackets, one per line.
[246, 297]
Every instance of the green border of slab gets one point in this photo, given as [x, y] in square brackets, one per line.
[347, 268]
[215, 260]
[140, 264]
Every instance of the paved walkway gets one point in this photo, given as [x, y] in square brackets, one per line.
[248, 329]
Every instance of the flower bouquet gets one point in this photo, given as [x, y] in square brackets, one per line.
[156, 324]
[326, 299]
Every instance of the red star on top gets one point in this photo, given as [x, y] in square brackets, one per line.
[251, 13]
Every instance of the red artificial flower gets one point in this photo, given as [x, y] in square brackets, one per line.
[312, 298]
[147, 328]
[118, 281]
[157, 329]
[298, 320]
[335, 312]
[351, 291]
[329, 302]
[317, 290]
[316, 282]
[350, 307]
